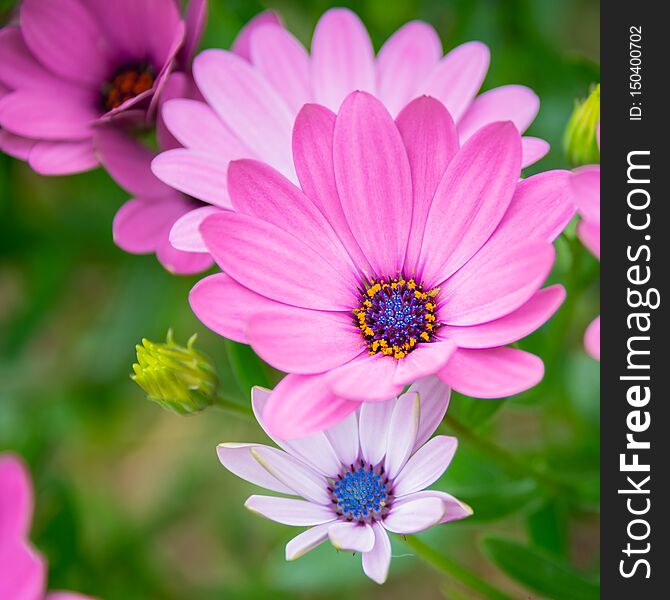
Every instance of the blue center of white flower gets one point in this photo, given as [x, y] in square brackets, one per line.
[361, 493]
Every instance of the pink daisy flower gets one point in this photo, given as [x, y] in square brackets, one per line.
[586, 190]
[22, 569]
[73, 64]
[359, 480]
[403, 255]
[251, 104]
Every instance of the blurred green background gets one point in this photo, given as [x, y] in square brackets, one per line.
[131, 500]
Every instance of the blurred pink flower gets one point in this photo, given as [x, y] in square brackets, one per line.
[251, 104]
[22, 568]
[73, 64]
[402, 256]
[586, 189]
[359, 480]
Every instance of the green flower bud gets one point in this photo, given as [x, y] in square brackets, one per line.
[178, 378]
[580, 141]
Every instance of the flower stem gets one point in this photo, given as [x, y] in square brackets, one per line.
[453, 569]
[233, 406]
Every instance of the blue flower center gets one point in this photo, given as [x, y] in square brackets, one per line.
[361, 493]
[395, 315]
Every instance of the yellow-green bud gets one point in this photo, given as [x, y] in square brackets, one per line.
[580, 141]
[178, 378]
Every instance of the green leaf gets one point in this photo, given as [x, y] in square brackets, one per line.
[540, 572]
[548, 527]
[500, 501]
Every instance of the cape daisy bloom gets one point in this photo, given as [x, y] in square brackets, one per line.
[403, 255]
[359, 480]
[23, 572]
[251, 104]
[71, 65]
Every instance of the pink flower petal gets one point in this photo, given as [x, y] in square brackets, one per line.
[62, 158]
[65, 37]
[295, 474]
[586, 189]
[373, 178]
[475, 192]
[182, 263]
[434, 397]
[589, 234]
[290, 511]
[424, 360]
[211, 293]
[351, 537]
[313, 155]
[35, 114]
[342, 57]
[515, 103]
[196, 173]
[248, 249]
[22, 573]
[248, 104]
[239, 460]
[457, 78]
[185, 233]
[404, 61]
[196, 19]
[301, 405]
[376, 562]
[495, 282]
[511, 327]
[284, 62]
[493, 373]
[426, 465]
[242, 44]
[16, 499]
[402, 430]
[373, 425]
[128, 162]
[415, 516]
[343, 437]
[14, 145]
[197, 126]
[592, 339]
[533, 149]
[308, 540]
[256, 189]
[431, 141]
[454, 509]
[366, 378]
[318, 340]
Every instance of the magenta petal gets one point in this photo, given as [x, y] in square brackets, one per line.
[342, 57]
[182, 263]
[248, 249]
[16, 499]
[365, 378]
[533, 149]
[301, 405]
[313, 155]
[376, 562]
[290, 511]
[515, 103]
[22, 573]
[457, 78]
[65, 37]
[373, 180]
[35, 114]
[196, 19]
[589, 234]
[475, 192]
[586, 189]
[424, 360]
[16, 146]
[284, 62]
[431, 141]
[248, 104]
[434, 397]
[319, 340]
[592, 339]
[185, 233]
[351, 537]
[404, 61]
[196, 173]
[511, 327]
[414, 516]
[256, 189]
[242, 44]
[62, 158]
[493, 373]
[211, 293]
[239, 460]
